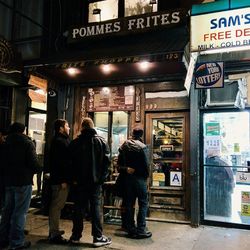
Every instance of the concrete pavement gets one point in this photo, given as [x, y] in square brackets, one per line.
[166, 236]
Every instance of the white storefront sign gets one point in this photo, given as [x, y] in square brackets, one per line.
[221, 30]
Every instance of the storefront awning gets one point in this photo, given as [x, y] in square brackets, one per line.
[164, 48]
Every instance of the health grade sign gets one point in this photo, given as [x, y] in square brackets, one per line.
[221, 30]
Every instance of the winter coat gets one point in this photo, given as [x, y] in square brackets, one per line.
[134, 154]
[90, 158]
[59, 167]
[20, 161]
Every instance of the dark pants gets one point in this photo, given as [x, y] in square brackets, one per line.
[84, 196]
[136, 188]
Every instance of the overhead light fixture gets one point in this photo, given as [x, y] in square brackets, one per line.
[108, 68]
[72, 71]
[144, 65]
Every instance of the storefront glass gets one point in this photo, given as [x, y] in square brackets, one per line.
[115, 123]
[119, 130]
[227, 167]
[36, 131]
[139, 7]
[167, 152]
[103, 11]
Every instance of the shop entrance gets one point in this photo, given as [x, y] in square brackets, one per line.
[167, 135]
[226, 168]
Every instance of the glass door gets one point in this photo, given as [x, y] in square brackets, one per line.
[167, 135]
[226, 151]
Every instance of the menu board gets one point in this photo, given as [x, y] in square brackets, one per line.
[111, 98]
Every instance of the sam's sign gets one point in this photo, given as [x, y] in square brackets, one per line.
[129, 24]
[221, 30]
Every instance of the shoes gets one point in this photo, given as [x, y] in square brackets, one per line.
[74, 240]
[58, 240]
[144, 235]
[25, 245]
[101, 241]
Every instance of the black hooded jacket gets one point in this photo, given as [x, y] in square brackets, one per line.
[20, 161]
[134, 154]
[90, 158]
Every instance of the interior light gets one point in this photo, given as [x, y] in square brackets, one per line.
[105, 90]
[144, 65]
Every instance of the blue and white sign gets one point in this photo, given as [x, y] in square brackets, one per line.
[209, 75]
[223, 30]
[175, 178]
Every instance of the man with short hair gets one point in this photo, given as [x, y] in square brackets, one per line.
[134, 166]
[90, 157]
[59, 178]
[19, 165]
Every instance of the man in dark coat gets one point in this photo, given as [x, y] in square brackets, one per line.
[134, 166]
[19, 166]
[90, 158]
[59, 178]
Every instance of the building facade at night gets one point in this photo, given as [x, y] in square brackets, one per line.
[179, 70]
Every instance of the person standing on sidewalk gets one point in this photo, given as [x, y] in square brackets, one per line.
[20, 163]
[133, 161]
[90, 158]
[59, 178]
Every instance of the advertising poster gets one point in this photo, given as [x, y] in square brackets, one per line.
[212, 145]
[158, 179]
[245, 203]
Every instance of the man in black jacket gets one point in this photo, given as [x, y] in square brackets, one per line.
[19, 165]
[59, 178]
[134, 167]
[90, 158]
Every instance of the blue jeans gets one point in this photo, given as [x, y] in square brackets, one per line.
[16, 205]
[136, 187]
[85, 196]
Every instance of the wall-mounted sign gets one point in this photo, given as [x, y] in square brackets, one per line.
[38, 82]
[221, 30]
[129, 24]
[168, 56]
[10, 60]
[111, 98]
[209, 75]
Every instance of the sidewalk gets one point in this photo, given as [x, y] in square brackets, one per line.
[167, 236]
